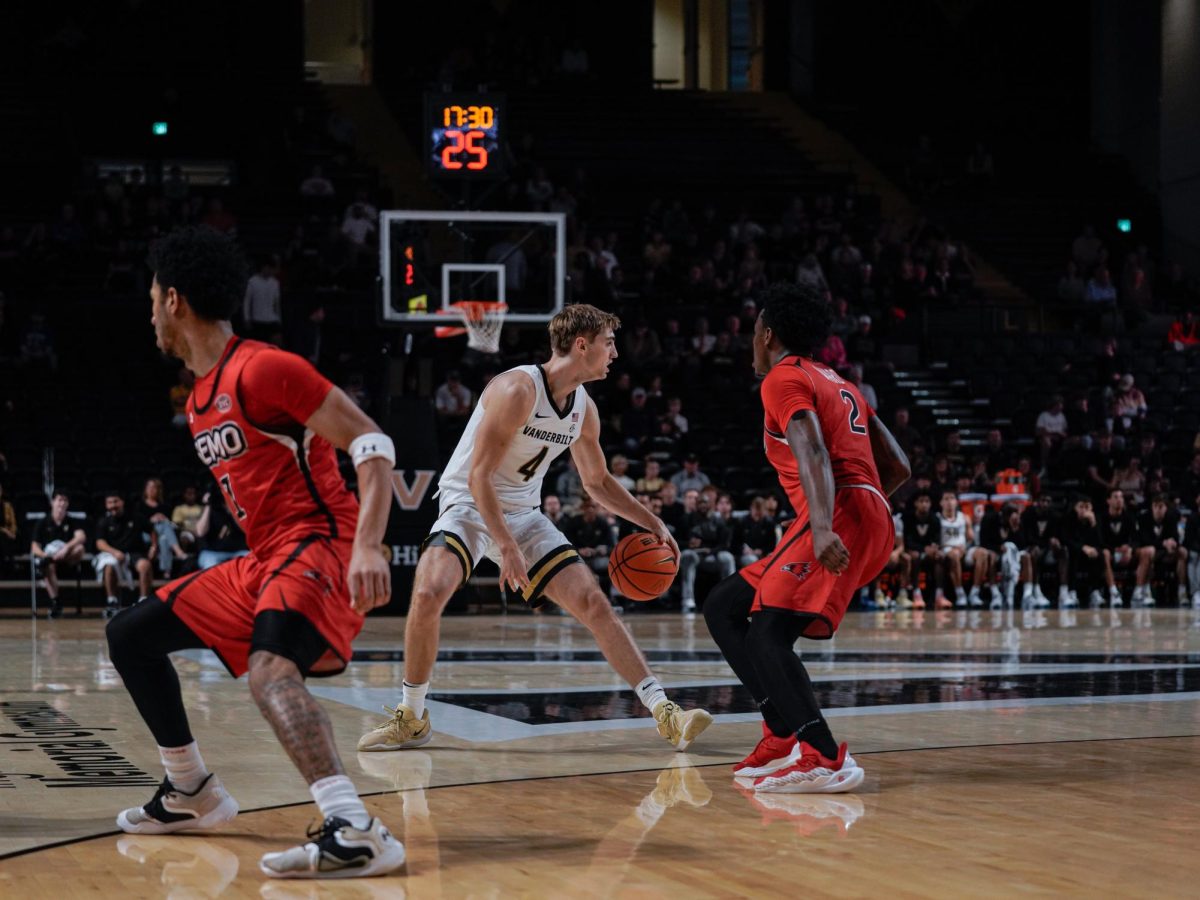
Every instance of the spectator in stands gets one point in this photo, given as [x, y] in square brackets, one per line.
[1100, 292]
[1158, 536]
[1051, 428]
[642, 346]
[539, 189]
[809, 272]
[690, 478]
[958, 549]
[755, 534]
[316, 184]
[591, 535]
[304, 333]
[185, 517]
[620, 471]
[1150, 455]
[703, 341]
[125, 546]
[862, 346]
[1189, 486]
[37, 344]
[1070, 286]
[1082, 420]
[844, 322]
[707, 547]
[1082, 538]
[452, 399]
[675, 416]
[569, 486]
[1085, 251]
[1102, 466]
[923, 547]
[832, 353]
[8, 530]
[552, 510]
[262, 310]
[1131, 480]
[651, 481]
[57, 541]
[1119, 534]
[906, 435]
[180, 391]
[1128, 406]
[997, 454]
[220, 538]
[1183, 333]
[1003, 536]
[219, 218]
[359, 228]
[152, 508]
[637, 422]
[674, 510]
[854, 374]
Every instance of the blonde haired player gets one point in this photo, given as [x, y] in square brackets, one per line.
[490, 496]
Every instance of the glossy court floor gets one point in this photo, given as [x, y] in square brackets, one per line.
[1006, 754]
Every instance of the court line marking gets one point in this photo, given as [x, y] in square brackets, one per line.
[723, 763]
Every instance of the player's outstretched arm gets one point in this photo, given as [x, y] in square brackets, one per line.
[816, 475]
[339, 420]
[890, 460]
[606, 490]
[507, 403]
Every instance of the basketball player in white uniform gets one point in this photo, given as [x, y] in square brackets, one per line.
[958, 548]
[490, 496]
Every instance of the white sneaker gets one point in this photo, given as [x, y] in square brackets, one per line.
[1070, 600]
[1114, 597]
[1181, 595]
[688, 606]
[974, 599]
[1196, 600]
[1040, 600]
[338, 850]
[171, 809]
[1095, 600]
[960, 597]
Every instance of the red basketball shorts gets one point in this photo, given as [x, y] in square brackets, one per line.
[791, 579]
[295, 603]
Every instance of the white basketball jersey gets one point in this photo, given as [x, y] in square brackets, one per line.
[954, 531]
[538, 442]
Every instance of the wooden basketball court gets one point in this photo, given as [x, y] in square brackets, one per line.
[1006, 753]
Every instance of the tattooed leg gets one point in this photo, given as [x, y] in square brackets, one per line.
[300, 724]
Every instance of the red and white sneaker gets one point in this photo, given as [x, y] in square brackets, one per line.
[808, 772]
[769, 754]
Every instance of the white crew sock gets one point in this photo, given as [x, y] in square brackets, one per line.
[651, 693]
[336, 796]
[414, 697]
[184, 766]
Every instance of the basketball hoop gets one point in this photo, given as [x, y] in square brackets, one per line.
[482, 320]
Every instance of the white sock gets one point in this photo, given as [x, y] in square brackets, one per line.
[336, 796]
[113, 601]
[414, 697]
[184, 765]
[651, 693]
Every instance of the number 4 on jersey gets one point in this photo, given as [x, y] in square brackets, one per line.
[530, 468]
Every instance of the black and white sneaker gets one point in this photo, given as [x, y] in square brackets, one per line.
[111, 609]
[171, 809]
[338, 850]
[56, 609]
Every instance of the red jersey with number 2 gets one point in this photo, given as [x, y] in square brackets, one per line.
[797, 383]
[280, 479]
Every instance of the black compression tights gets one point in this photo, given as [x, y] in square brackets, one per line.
[759, 649]
[139, 640]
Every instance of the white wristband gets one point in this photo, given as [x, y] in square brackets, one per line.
[372, 446]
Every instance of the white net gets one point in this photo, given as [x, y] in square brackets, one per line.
[483, 322]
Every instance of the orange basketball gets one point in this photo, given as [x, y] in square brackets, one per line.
[642, 567]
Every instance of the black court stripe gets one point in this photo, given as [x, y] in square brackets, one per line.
[199, 408]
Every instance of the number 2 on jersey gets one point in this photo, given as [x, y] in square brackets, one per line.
[855, 427]
[530, 468]
[227, 487]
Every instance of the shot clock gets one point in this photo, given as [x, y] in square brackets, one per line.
[463, 135]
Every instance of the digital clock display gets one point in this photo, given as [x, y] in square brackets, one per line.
[464, 134]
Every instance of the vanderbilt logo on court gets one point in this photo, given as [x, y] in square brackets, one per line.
[801, 569]
[411, 497]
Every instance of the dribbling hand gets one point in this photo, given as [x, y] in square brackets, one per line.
[513, 574]
[663, 533]
[370, 579]
[831, 552]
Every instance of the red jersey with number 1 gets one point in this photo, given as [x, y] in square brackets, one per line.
[280, 480]
[798, 383]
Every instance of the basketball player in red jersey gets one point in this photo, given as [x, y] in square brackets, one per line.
[266, 424]
[838, 463]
